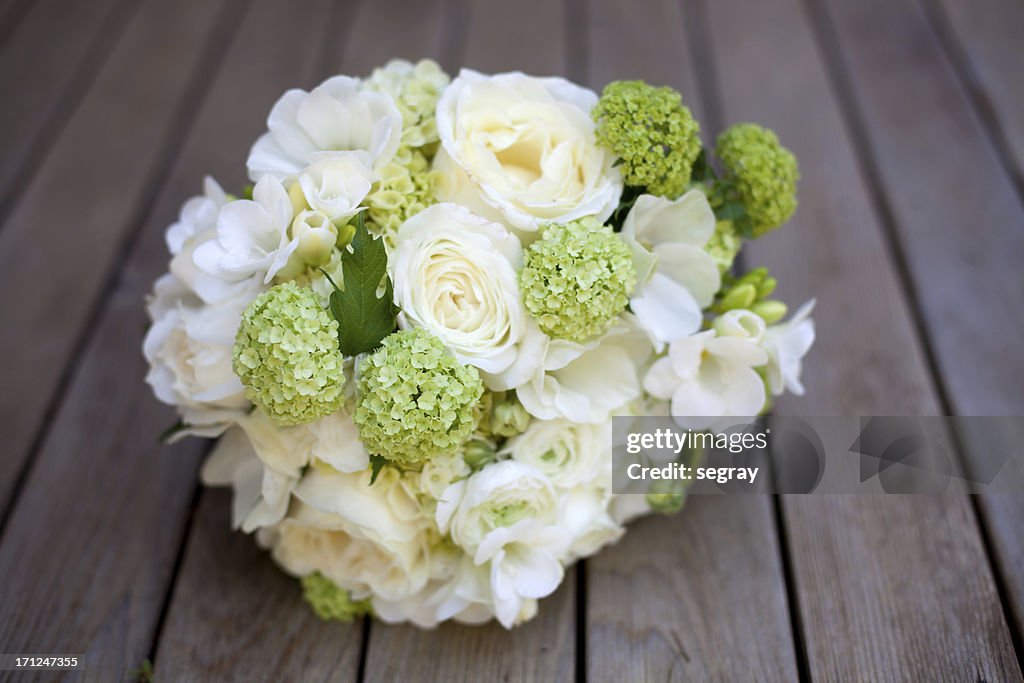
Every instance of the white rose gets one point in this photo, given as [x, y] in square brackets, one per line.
[336, 116]
[310, 540]
[454, 273]
[526, 146]
[336, 442]
[381, 528]
[569, 453]
[188, 347]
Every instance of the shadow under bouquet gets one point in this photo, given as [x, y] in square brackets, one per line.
[411, 333]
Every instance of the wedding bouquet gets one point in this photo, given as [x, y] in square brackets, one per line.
[411, 333]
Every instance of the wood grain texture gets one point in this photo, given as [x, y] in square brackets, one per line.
[40, 87]
[674, 597]
[988, 33]
[695, 597]
[89, 549]
[237, 617]
[890, 588]
[233, 615]
[545, 648]
[932, 155]
[65, 231]
[539, 651]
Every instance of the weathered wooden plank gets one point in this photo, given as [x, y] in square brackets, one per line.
[237, 617]
[943, 181]
[518, 36]
[232, 614]
[65, 232]
[105, 509]
[987, 34]
[890, 588]
[44, 69]
[673, 600]
[544, 649]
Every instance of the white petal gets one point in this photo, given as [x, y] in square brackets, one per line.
[666, 309]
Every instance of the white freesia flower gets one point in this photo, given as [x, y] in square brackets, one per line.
[708, 376]
[252, 236]
[527, 147]
[787, 343]
[505, 515]
[454, 274]
[586, 382]
[336, 116]
[335, 184]
[188, 347]
[569, 453]
[676, 278]
[198, 214]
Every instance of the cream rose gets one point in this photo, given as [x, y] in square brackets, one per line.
[454, 274]
[569, 453]
[526, 147]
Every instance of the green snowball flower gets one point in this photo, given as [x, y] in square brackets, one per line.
[331, 602]
[577, 279]
[654, 135]
[286, 354]
[416, 400]
[762, 173]
[407, 185]
[724, 244]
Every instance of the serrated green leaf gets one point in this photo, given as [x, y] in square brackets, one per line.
[364, 318]
[377, 463]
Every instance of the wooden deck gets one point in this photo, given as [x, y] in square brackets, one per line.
[908, 120]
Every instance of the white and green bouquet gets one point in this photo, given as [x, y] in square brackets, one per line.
[411, 333]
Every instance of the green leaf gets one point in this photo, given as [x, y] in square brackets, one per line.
[364, 318]
[377, 463]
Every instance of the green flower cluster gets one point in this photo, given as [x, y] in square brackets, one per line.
[762, 173]
[286, 354]
[577, 279]
[406, 187]
[331, 602]
[415, 88]
[416, 400]
[751, 292]
[652, 133]
[724, 244]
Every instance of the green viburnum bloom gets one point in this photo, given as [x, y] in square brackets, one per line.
[331, 602]
[415, 88]
[407, 185]
[577, 279]
[416, 400]
[761, 173]
[654, 135]
[286, 354]
[750, 292]
[724, 244]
